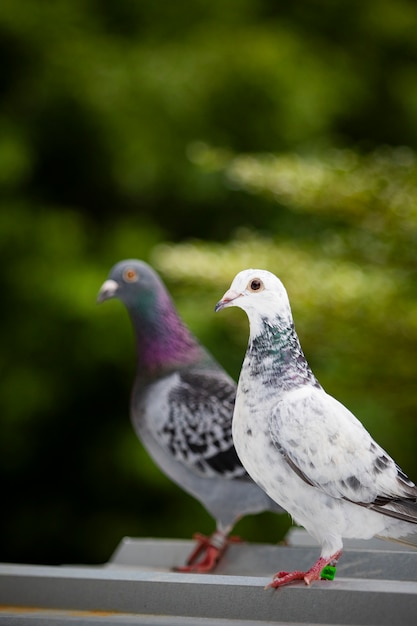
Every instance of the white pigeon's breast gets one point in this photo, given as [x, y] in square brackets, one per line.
[254, 445]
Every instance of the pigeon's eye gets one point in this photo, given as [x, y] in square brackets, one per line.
[130, 275]
[256, 285]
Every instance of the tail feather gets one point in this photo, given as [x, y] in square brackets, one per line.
[403, 510]
[409, 540]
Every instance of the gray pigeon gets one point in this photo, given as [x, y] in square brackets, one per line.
[305, 449]
[181, 408]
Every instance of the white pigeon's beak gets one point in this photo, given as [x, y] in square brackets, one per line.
[108, 290]
[227, 300]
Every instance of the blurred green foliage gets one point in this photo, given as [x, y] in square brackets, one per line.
[202, 136]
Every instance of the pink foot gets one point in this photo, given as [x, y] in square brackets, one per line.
[207, 553]
[283, 578]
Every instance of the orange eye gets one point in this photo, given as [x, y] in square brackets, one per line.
[256, 285]
[130, 275]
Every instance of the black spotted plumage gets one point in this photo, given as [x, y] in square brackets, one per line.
[198, 429]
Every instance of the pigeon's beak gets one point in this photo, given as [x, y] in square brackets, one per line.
[227, 300]
[108, 290]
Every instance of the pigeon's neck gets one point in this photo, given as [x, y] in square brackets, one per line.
[275, 355]
[163, 342]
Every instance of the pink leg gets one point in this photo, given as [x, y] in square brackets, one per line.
[207, 553]
[283, 578]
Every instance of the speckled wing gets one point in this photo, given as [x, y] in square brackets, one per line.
[198, 428]
[329, 448]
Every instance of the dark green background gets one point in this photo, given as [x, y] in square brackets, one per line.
[203, 136]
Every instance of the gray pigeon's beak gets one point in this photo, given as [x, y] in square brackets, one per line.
[108, 290]
[227, 300]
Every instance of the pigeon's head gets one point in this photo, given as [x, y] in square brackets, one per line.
[163, 340]
[133, 282]
[257, 291]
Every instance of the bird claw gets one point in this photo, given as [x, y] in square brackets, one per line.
[314, 573]
[283, 578]
[210, 549]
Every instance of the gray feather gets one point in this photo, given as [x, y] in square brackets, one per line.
[182, 400]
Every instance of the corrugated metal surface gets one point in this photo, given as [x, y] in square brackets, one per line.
[376, 584]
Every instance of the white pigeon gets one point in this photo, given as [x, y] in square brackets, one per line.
[304, 448]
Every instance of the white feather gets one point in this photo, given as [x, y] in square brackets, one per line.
[304, 448]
